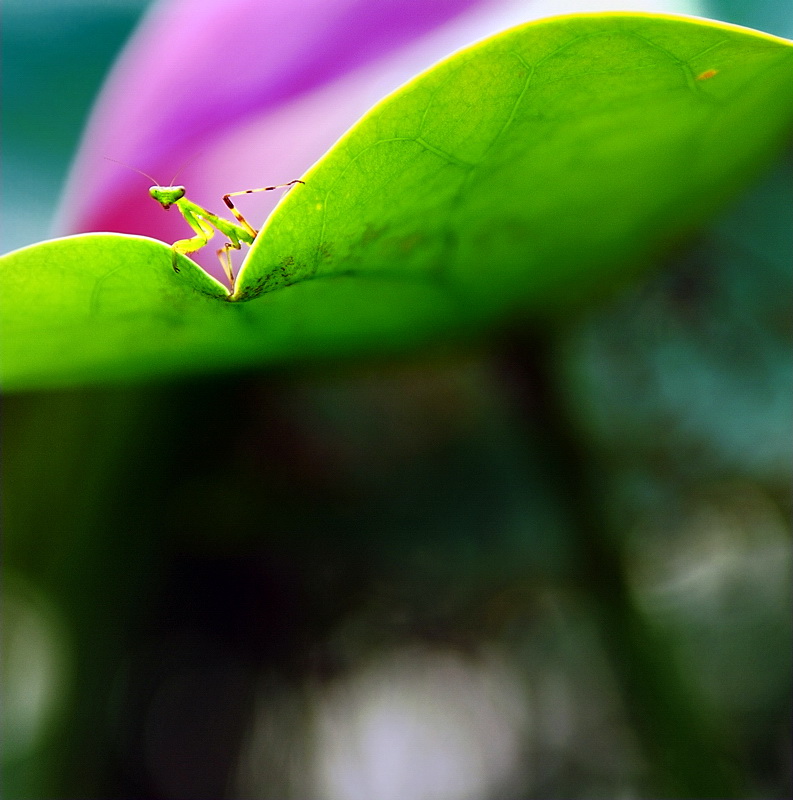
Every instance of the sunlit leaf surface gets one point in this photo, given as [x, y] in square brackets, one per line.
[527, 172]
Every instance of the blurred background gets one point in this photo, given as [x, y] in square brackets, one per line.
[555, 566]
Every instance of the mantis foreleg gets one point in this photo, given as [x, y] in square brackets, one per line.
[204, 232]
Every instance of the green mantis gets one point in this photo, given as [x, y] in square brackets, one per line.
[204, 222]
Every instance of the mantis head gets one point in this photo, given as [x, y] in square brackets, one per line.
[166, 196]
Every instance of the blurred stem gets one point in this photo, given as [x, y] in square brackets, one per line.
[685, 754]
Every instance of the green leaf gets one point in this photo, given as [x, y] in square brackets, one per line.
[518, 176]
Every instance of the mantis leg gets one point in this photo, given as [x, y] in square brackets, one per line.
[204, 232]
[225, 257]
[242, 221]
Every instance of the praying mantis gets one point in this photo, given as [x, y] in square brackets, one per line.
[204, 222]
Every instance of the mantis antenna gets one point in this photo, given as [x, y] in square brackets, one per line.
[140, 172]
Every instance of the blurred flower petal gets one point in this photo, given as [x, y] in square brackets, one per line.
[251, 93]
[194, 70]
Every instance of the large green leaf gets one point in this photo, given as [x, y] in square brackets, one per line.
[520, 174]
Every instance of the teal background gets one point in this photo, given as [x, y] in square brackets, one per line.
[55, 55]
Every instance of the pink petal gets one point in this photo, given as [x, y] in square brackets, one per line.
[196, 70]
[318, 69]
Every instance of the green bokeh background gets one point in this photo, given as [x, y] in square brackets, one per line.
[606, 509]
